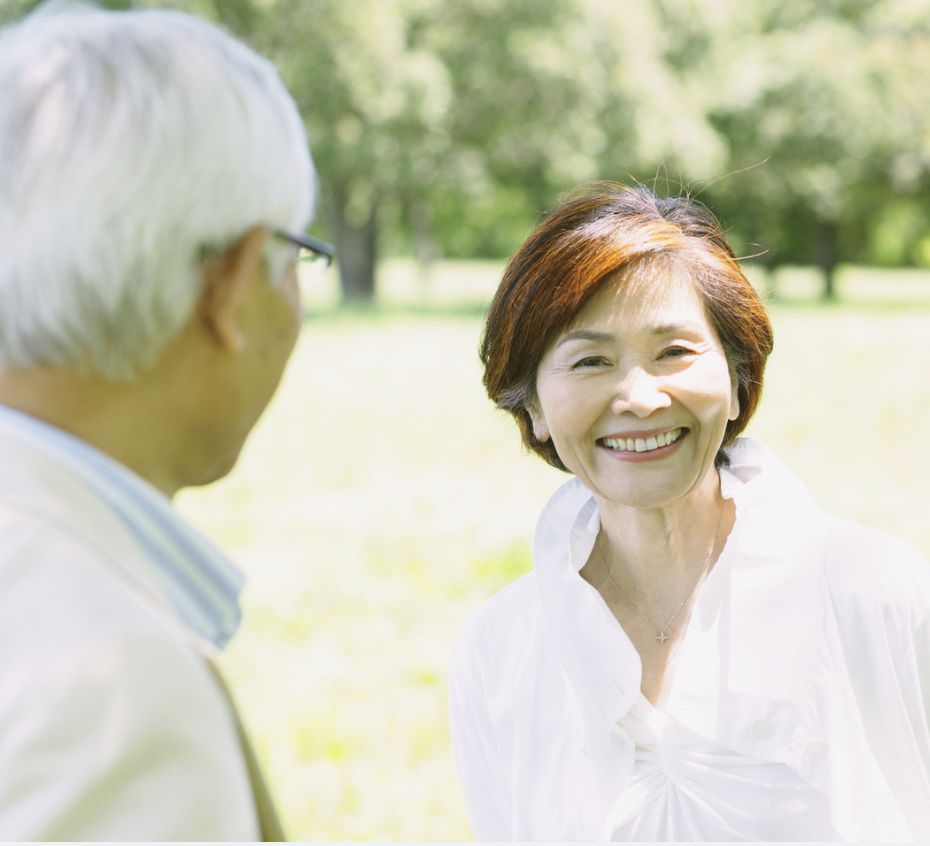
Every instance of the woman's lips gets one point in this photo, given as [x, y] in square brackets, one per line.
[643, 444]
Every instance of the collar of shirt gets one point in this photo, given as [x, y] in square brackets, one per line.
[194, 577]
[595, 653]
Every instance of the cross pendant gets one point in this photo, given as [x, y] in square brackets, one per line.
[662, 637]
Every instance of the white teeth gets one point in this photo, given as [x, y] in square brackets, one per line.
[643, 444]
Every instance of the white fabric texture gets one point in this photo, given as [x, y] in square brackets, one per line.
[198, 580]
[686, 788]
[112, 727]
[808, 647]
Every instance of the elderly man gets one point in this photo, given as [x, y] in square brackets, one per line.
[151, 172]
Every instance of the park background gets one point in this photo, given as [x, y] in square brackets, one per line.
[382, 498]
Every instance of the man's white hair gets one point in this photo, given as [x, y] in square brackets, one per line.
[132, 144]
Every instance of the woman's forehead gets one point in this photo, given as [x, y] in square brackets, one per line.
[658, 295]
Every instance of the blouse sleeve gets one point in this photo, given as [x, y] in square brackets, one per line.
[885, 617]
[914, 685]
[477, 758]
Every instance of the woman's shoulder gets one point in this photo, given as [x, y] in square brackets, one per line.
[505, 614]
[508, 616]
[777, 499]
[867, 572]
[878, 585]
[503, 637]
[874, 565]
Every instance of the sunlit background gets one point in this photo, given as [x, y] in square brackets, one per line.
[382, 498]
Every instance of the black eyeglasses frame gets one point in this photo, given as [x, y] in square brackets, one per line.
[326, 251]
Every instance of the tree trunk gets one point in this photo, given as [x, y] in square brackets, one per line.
[357, 248]
[826, 257]
[427, 251]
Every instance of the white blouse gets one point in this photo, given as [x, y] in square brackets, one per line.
[806, 663]
[685, 787]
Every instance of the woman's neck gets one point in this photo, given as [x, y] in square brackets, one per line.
[653, 552]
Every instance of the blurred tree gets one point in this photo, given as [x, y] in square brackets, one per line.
[452, 124]
[376, 105]
[523, 122]
[443, 117]
[831, 94]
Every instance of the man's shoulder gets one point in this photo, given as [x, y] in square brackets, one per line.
[97, 680]
[47, 514]
[74, 625]
[69, 620]
[53, 578]
[119, 734]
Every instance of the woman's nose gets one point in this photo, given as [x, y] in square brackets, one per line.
[638, 392]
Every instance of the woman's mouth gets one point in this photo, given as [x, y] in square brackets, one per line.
[642, 444]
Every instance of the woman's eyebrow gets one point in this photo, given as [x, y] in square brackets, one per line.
[676, 328]
[586, 335]
[596, 336]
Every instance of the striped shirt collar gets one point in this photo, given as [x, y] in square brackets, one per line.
[196, 579]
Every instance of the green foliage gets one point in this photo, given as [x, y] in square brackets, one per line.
[501, 567]
[899, 235]
[10, 10]
[830, 95]
[446, 127]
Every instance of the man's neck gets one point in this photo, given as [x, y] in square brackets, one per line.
[115, 417]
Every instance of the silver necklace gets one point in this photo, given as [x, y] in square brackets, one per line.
[662, 636]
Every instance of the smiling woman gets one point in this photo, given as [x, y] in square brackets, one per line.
[594, 238]
[639, 364]
[700, 653]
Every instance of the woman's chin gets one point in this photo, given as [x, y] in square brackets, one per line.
[653, 493]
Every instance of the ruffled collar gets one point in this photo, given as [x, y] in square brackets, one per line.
[599, 660]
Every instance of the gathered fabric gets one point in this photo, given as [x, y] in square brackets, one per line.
[684, 787]
[803, 683]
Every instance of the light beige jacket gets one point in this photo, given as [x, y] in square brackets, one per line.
[113, 723]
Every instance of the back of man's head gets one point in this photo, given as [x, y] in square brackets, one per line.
[132, 144]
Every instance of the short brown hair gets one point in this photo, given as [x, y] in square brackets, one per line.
[597, 232]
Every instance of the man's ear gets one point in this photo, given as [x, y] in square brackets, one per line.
[540, 427]
[226, 280]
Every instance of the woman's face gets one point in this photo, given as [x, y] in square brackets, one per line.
[636, 393]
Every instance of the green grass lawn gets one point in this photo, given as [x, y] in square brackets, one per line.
[382, 498]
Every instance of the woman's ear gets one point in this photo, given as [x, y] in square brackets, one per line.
[734, 400]
[540, 427]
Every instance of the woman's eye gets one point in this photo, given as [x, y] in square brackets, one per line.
[676, 352]
[590, 361]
